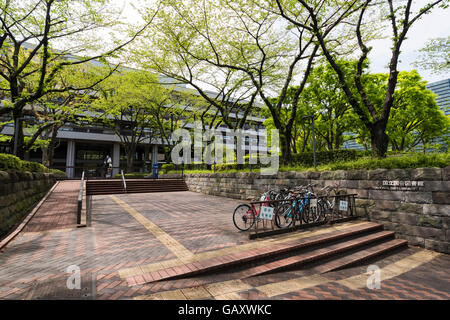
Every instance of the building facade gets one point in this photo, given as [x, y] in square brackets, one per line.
[84, 148]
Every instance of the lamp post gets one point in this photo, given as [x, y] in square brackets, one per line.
[314, 139]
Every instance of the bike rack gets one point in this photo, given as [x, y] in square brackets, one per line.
[335, 215]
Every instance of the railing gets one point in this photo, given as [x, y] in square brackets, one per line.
[80, 199]
[328, 209]
[123, 181]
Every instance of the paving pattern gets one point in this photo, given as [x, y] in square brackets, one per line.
[136, 233]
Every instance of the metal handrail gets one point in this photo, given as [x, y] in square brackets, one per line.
[123, 180]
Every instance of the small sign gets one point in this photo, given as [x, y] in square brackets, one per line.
[313, 203]
[266, 213]
[343, 205]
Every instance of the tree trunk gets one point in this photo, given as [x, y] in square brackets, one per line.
[51, 147]
[130, 158]
[20, 138]
[45, 160]
[379, 139]
[286, 138]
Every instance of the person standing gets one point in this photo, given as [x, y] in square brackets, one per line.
[107, 163]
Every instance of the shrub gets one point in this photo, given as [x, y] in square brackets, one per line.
[133, 175]
[10, 162]
[33, 167]
[167, 167]
[439, 160]
[57, 172]
[324, 157]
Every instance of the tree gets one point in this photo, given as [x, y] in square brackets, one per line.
[175, 112]
[415, 118]
[260, 56]
[130, 103]
[435, 56]
[325, 99]
[41, 38]
[400, 18]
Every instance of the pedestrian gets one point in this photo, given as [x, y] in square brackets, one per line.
[107, 163]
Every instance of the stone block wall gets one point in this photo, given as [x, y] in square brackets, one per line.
[19, 191]
[415, 203]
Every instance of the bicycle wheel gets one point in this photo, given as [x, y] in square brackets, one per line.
[305, 213]
[284, 216]
[314, 214]
[243, 217]
[324, 210]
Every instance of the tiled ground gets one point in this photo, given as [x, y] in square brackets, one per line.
[136, 232]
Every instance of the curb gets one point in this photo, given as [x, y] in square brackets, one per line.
[8, 239]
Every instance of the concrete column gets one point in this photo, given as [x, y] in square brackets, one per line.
[154, 154]
[70, 159]
[116, 159]
[146, 157]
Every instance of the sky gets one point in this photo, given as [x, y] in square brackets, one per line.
[433, 25]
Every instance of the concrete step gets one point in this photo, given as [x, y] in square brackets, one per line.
[370, 232]
[103, 187]
[361, 256]
[319, 254]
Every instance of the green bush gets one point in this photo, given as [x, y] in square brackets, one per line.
[10, 162]
[167, 167]
[429, 160]
[57, 172]
[132, 175]
[324, 157]
[33, 167]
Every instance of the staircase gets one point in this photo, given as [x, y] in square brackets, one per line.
[322, 253]
[115, 186]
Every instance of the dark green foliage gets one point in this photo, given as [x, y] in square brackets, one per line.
[9, 162]
[439, 160]
[325, 157]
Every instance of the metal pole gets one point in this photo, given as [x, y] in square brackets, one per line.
[314, 143]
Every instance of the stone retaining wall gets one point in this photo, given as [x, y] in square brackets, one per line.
[415, 203]
[19, 191]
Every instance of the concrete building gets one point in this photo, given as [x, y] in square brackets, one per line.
[81, 148]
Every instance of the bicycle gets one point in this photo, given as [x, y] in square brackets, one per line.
[299, 209]
[247, 214]
[329, 205]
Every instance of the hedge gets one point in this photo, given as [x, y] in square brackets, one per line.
[324, 157]
[133, 175]
[9, 162]
[429, 160]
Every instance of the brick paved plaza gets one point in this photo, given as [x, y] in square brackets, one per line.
[134, 234]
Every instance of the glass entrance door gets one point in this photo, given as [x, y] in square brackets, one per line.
[90, 157]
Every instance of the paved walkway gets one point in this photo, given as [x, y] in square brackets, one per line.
[58, 211]
[132, 234]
